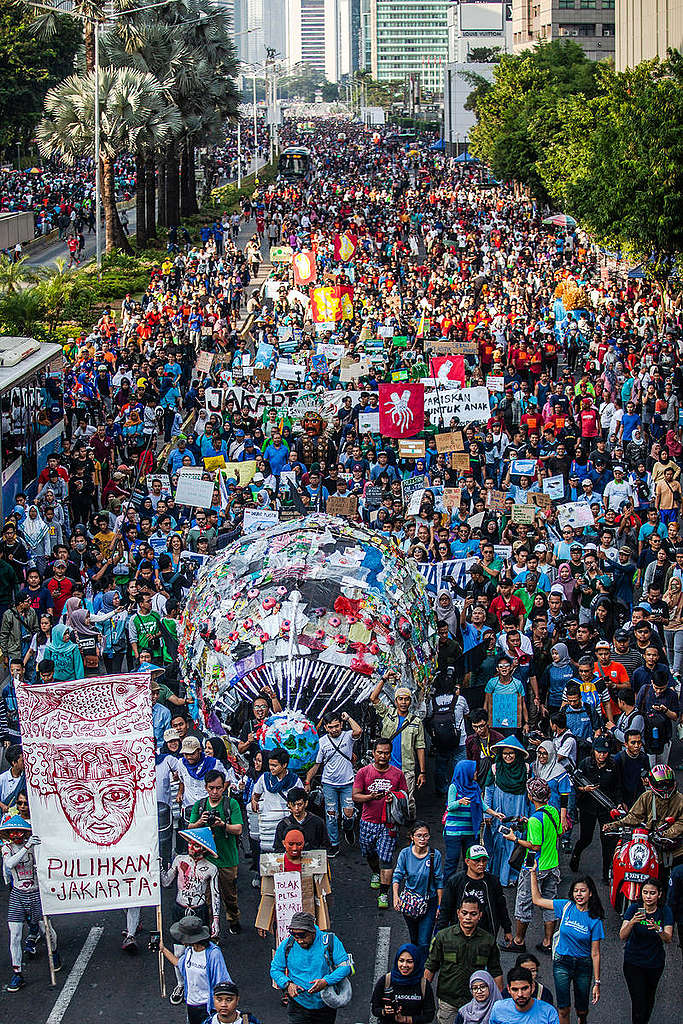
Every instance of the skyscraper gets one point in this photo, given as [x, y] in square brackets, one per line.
[402, 38]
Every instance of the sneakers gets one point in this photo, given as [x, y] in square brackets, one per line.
[56, 961]
[374, 881]
[349, 835]
[30, 946]
[383, 901]
[129, 945]
[333, 852]
[177, 995]
[234, 927]
[256, 882]
[16, 983]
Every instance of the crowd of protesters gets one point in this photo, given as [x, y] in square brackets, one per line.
[560, 647]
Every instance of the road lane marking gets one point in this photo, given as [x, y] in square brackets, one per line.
[381, 960]
[75, 975]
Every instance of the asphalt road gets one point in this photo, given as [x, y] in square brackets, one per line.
[112, 987]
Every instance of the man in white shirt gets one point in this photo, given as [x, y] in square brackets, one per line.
[335, 754]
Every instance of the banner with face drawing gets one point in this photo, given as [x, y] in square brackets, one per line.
[90, 773]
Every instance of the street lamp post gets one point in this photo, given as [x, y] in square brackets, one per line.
[239, 152]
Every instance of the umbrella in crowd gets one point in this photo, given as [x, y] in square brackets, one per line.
[318, 608]
[560, 220]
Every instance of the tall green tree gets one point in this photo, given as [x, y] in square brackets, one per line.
[29, 67]
[618, 167]
[517, 117]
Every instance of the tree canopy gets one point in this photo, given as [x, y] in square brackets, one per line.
[618, 166]
[30, 67]
[517, 116]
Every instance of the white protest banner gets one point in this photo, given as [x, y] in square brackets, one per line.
[214, 399]
[289, 371]
[468, 405]
[332, 352]
[192, 491]
[368, 421]
[288, 900]
[258, 519]
[90, 773]
[575, 514]
[553, 486]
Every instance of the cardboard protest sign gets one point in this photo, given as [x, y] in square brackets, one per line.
[214, 462]
[451, 497]
[411, 449]
[461, 461]
[495, 500]
[451, 442]
[342, 505]
[91, 779]
[495, 383]
[575, 514]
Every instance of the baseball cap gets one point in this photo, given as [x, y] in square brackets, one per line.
[189, 745]
[600, 643]
[540, 548]
[226, 988]
[601, 745]
[477, 852]
[171, 734]
[621, 634]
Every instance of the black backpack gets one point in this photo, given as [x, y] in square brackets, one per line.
[442, 728]
[656, 734]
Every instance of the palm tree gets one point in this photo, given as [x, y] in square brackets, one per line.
[22, 312]
[14, 276]
[131, 112]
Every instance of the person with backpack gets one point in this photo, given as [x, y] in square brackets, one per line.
[226, 997]
[220, 812]
[446, 728]
[335, 755]
[659, 704]
[404, 992]
[311, 967]
[542, 843]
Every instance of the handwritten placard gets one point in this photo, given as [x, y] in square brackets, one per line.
[342, 505]
[451, 442]
[524, 515]
[495, 500]
[204, 362]
[460, 461]
[451, 497]
[288, 900]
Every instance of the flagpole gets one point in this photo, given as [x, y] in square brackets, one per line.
[162, 976]
[50, 951]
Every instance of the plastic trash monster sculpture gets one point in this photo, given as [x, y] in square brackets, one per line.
[318, 608]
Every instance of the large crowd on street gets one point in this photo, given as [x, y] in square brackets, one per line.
[552, 725]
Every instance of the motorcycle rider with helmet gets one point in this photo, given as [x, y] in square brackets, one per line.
[660, 800]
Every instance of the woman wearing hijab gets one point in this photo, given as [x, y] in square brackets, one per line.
[65, 654]
[547, 768]
[111, 621]
[507, 795]
[556, 677]
[567, 582]
[87, 637]
[485, 994]
[36, 536]
[447, 612]
[464, 814]
[403, 993]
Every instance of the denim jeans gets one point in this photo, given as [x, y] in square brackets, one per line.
[579, 971]
[444, 762]
[454, 846]
[420, 929]
[337, 799]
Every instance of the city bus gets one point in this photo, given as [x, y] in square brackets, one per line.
[295, 163]
[32, 409]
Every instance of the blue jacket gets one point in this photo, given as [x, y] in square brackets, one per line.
[304, 966]
[215, 969]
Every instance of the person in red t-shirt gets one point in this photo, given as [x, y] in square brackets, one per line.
[60, 587]
[506, 603]
[374, 788]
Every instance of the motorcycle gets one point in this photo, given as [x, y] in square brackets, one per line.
[640, 854]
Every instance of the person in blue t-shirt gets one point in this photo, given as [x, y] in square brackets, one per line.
[522, 1007]
[646, 927]
[576, 957]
